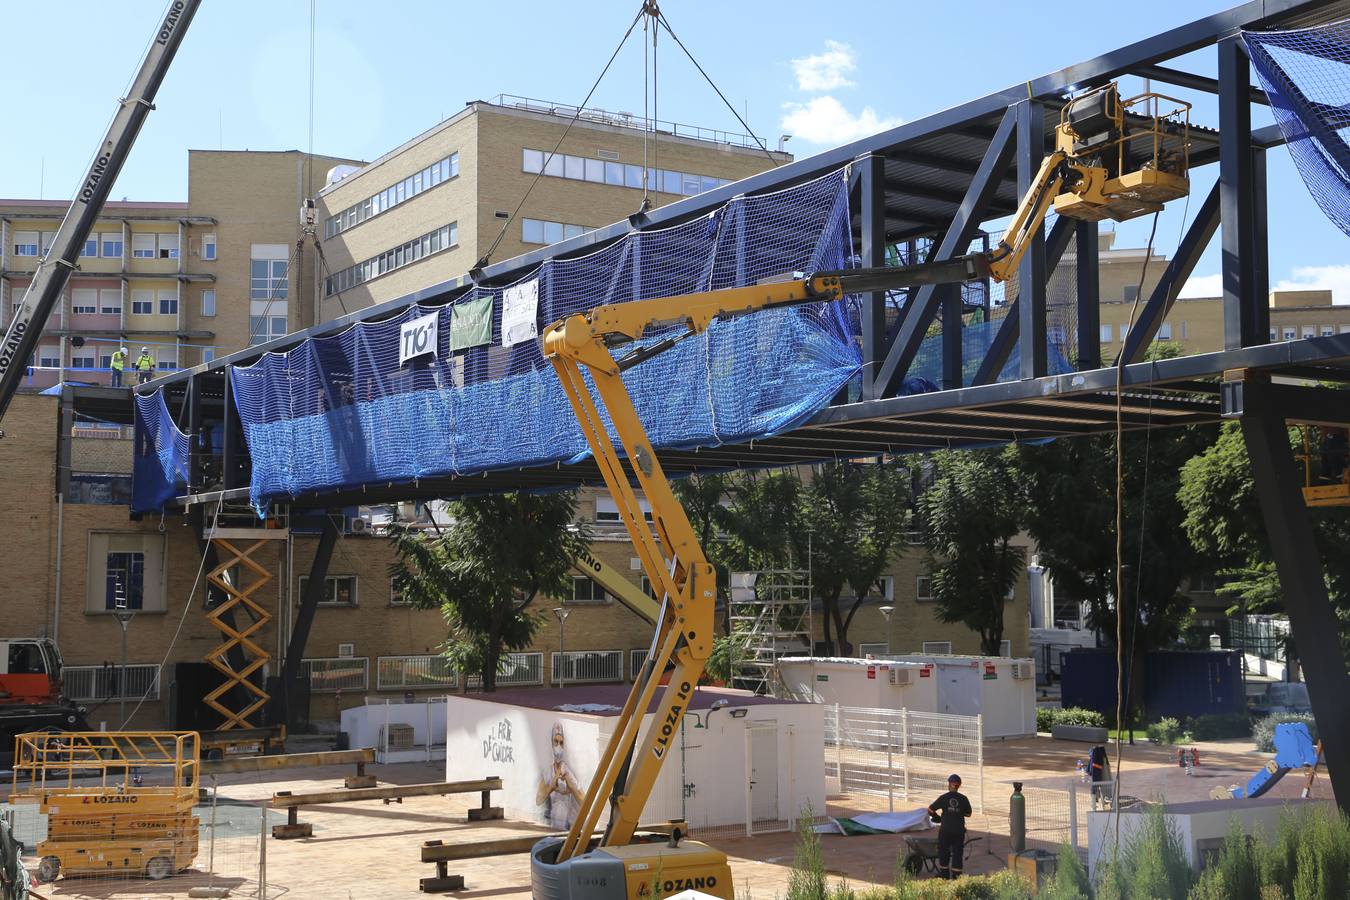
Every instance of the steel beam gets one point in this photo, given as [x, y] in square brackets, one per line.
[1087, 288]
[1000, 348]
[304, 619]
[1194, 82]
[1312, 618]
[871, 172]
[953, 375]
[1242, 321]
[1193, 244]
[1032, 272]
[923, 306]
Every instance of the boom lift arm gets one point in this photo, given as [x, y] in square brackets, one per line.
[54, 270]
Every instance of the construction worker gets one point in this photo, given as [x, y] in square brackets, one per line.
[145, 365]
[119, 363]
[951, 811]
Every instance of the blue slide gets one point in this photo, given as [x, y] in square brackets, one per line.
[1294, 749]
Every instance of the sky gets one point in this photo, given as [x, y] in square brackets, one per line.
[826, 73]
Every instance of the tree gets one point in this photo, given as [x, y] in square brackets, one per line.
[1071, 513]
[499, 554]
[702, 496]
[856, 514]
[971, 513]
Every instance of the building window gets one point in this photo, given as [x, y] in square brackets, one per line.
[84, 301]
[25, 243]
[208, 302]
[1273, 335]
[396, 594]
[208, 246]
[168, 358]
[1124, 332]
[580, 168]
[105, 358]
[168, 246]
[936, 648]
[1105, 333]
[1202, 584]
[82, 357]
[90, 247]
[47, 238]
[269, 265]
[585, 590]
[125, 570]
[419, 182]
[1165, 331]
[110, 301]
[338, 590]
[168, 303]
[1131, 293]
[536, 231]
[143, 246]
[111, 244]
[1327, 330]
[1290, 332]
[1309, 331]
[607, 511]
[142, 302]
[49, 356]
[267, 320]
[923, 588]
[444, 238]
[1005, 648]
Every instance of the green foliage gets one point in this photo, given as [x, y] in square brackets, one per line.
[1047, 717]
[1165, 731]
[726, 650]
[1071, 881]
[484, 571]
[1154, 863]
[807, 881]
[1236, 874]
[1219, 726]
[763, 520]
[971, 514]
[1263, 734]
[857, 514]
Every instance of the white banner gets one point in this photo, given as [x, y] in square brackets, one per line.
[520, 313]
[417, 338]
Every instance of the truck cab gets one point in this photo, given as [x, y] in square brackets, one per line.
[30, 671]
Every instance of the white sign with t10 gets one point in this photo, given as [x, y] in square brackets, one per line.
[417, 338]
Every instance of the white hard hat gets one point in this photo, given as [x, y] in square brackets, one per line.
[145, 349]
[124, 349]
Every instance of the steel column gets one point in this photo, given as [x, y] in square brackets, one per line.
[1031, 274]
[1312, 619]
[1260, 249]
[952, 309]
[872, 206]
[1193, 244]
[309, 602]
[923, 305]
[231, 445]
[1237, 201]
[1088, 290]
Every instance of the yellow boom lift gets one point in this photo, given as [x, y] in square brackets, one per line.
[1107, 162]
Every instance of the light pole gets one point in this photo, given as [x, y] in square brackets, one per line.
[886, 613]
[562, 613]
[124, 617]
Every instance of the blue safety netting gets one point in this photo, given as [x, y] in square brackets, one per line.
[1306, 74]
[160, 466]
[340, 411]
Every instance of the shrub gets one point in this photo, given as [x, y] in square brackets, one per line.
[1071, 880]
[1264, 732]
[807, 881]
[1047, 717]
[1219, 726]
[1164, 731]
[1236, 874]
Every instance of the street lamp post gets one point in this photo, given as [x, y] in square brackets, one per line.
[124, 617]
[886, 613]
[562, 613]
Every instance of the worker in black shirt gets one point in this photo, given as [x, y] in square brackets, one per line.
[951, 811]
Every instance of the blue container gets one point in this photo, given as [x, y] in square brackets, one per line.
[1177, 683]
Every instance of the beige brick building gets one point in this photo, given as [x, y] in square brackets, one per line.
[428, 210]
[175, 277]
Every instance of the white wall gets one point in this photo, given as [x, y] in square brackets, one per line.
[363, 725]
[487, 738]
[847, 683]
[984, 685]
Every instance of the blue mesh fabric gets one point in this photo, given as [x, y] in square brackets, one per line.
[1306, 74]
[160, 466]
[339, 411]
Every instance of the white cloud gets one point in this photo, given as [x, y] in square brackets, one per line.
[1202, 286]
[1319, 278]
[824, 120]
[826, 71]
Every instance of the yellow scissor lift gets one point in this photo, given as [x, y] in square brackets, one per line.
[101, 818]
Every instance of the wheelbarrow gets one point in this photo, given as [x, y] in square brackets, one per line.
[923, 854]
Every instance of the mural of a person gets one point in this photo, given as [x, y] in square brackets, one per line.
[558, 792]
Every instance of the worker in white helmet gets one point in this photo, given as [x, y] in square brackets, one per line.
[119, 364]
[145, 365]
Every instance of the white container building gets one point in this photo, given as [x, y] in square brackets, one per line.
[867, 683]
[1001, 689]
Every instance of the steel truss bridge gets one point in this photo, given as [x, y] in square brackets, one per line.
[937, 179]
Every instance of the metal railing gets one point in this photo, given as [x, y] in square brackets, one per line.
[576, 666]
[88, 683]
[414, 673]
[340, 673]
[626, 120]
[636, 659]
[518, 669]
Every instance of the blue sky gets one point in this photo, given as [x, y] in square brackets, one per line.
[825, 72]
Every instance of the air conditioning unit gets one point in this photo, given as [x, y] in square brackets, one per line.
[901, 675]
[1023, 670]
[358, 525]
[346, 651]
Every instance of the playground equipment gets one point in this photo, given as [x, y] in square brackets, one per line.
[1294, 748]
[111, 822]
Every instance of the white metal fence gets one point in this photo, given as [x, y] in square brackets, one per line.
[518, 669]
[576, 666]
[86, 683]
[414, 673]
[338, 673]
[903, 755]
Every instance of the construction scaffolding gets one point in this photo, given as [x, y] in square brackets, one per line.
[771, 618]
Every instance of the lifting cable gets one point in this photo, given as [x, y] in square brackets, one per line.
[487, 257]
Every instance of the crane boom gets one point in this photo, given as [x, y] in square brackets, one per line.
[54, 269]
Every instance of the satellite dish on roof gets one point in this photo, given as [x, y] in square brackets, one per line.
[337, 173]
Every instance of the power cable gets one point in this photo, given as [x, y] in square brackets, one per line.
[487, 257]
[661, 18]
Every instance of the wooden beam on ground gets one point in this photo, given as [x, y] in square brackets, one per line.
[288, 761]
[290, 802]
